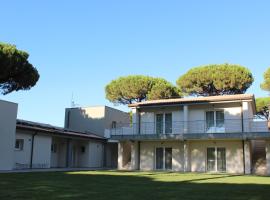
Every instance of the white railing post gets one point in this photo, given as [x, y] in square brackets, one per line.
[185, 118]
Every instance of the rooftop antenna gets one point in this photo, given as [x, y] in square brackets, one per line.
[72, 104]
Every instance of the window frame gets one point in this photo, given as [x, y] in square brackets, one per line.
[215, 127]
[164, 124]
[21, 145]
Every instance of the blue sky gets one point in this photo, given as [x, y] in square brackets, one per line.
[80, 46]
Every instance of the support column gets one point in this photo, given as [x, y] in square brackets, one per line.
[69, 153]
[245, 117]
[135, 121]
[267, 150]
[247, 159]
[120, 156]
[186, 157]
[185, 118]
[134, 156]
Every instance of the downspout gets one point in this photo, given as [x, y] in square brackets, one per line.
[32, 149]
[139, 155]
[242, 118]
[244, 159]
[139, 119]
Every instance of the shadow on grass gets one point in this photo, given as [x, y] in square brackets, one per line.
[121, 185]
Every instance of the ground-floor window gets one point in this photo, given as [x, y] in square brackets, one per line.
[164, 158]
[216, 159]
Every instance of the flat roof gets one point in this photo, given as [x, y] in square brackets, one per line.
[209, 99]
[54, 130]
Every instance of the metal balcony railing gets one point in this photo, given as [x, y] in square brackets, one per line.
[190, 127]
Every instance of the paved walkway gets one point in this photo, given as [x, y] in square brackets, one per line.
[52, 170]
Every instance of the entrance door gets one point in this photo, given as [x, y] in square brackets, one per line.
[168, 158]
[74, 156]
[216, 159]
[221, 159]
[211, 159]
[163, 158]
[159, 158]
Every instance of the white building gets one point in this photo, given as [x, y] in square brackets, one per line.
[204, 134]
[82, 144]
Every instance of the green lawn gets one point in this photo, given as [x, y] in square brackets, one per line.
[132, 185]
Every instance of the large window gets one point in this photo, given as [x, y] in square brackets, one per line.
[19, 144]
[216, 159]
[164, 123]
[215, 121]
[163, 158]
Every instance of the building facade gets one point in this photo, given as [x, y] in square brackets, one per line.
[204, 134]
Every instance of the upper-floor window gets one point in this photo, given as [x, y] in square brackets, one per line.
[164, 123]
[54, 148]
[113, 124]
[19, 144]
[215, 121]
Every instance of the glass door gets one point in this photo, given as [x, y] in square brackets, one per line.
[159, 123]
[210, 121]
[221, 159]
[220, 121]
[211, 159]
[215, 121]
[168, 158]
[159, 158]
[168, 123]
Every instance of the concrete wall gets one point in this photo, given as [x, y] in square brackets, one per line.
[118, 116]
[94, 119]
[90, 119]
[267, 150]
[8, 116]
[111, 155]
[22, 158]
[58, 158]
[96, 154]
[197, 155]
[41, 151]
[234, 155]
[147, 155]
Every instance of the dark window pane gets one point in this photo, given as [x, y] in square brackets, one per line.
[220, 119]
[159, 123]
[210, 120]
[168, 123]
[168, 158]
[159, 158]
[211, 159]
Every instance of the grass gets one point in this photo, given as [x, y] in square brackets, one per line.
[132, 185]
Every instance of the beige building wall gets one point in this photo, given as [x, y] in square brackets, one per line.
[41, 150]
[234, 155]
[197, 155]
[94, 119]
[22, 157]
[8, 116]
[147, 155]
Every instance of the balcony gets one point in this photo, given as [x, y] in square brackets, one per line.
[201, 129]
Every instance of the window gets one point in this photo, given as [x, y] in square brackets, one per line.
[54, 148]
[83, 149]
[159, 123]
[216, 159]
[215, 121]
[19, 144]
[113, 124]
[164, 120]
